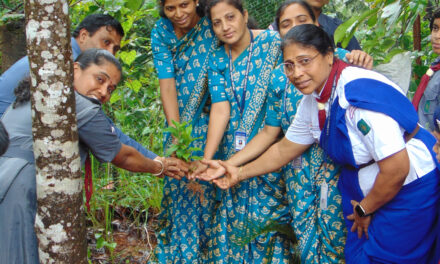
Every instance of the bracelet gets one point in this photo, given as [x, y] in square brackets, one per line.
[161, 171]
[239, 172]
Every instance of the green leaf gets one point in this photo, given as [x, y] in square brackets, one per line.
[116, 96]
[134, 5]
[135, 85]
[128, 57]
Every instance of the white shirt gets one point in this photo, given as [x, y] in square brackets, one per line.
[384, 139]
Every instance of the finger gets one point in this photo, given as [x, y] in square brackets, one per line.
[221, 184]
[366, 232]
[353, 227]
[353, 202]
[359, 231]
[351, 217]
[368, 63]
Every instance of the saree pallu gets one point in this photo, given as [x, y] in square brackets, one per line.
[320, 231]
[252, 222]
[187, 207]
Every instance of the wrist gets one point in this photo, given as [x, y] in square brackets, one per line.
[362, 211]
[160, 167]
[241, 175]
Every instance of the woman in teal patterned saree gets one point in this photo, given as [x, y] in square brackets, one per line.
[247, 214]
[181, 41]
[319, 228]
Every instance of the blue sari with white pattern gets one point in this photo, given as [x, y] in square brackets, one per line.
[186, 206]
[248, 214]
[320, 232]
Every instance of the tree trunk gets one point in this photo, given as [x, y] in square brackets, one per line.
[12, 43]
[60, 222]
[417, 36]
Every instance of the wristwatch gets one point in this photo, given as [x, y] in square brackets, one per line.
[361, 211]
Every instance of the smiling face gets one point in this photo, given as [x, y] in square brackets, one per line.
[96, 81]
[182, 13]
[294, 15]
[104, 38]
[229, 24]
[435, 36]
[311, 69]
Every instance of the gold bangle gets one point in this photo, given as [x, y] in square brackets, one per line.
[240, 170]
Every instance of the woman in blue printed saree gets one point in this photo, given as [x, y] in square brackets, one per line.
[320, 232]
[248, 214]
[390, 179]
[181, 42]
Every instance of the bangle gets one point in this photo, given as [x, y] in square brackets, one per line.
[239, 172]
[161, 170]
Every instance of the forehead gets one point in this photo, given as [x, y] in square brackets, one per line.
[437, 21]
[175, 2]
[294, 50]
[222, 8]
[106, 31]
[294, 10]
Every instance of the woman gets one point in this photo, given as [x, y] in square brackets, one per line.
[96, 74]
[389, 181]
[181, 42]
[239, 71]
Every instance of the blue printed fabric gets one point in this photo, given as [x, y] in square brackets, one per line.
[248, 213]
[320, 231]
[187, 207]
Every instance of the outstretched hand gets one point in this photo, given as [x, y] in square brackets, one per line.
[197, 169]
[173, 167]
[360, 58]
[223, 174]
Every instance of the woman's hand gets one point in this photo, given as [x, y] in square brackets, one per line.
[223, 174]
[360, 223]
[231, 178]
[173, 167]
[360, 58]
[197, 168]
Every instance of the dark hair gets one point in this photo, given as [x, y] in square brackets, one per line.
[98, 57]
[435, 14]
[286, 4]
[200, 9]
[4, 139]
[309, 35]
[235, 3]
[94, 22]
[22, 92]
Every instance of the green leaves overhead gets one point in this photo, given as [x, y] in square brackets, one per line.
[384, 28]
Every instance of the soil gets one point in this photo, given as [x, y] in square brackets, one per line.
[134, 242]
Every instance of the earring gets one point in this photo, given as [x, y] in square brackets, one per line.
[197, 5]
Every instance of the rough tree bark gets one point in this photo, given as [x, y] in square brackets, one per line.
[60, 223]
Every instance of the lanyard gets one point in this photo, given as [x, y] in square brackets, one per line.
[285, 95]
[251, 48]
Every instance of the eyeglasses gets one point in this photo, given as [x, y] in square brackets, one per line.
[303, 63]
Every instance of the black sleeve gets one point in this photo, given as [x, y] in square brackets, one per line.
[100, 137]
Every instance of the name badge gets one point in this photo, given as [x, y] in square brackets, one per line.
[240, 140]
[297, 163]
[324, 196]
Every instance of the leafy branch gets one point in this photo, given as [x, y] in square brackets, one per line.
[183, 139]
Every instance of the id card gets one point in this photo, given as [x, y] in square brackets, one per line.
[324, 196]
[297, 163]
[240, 140]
